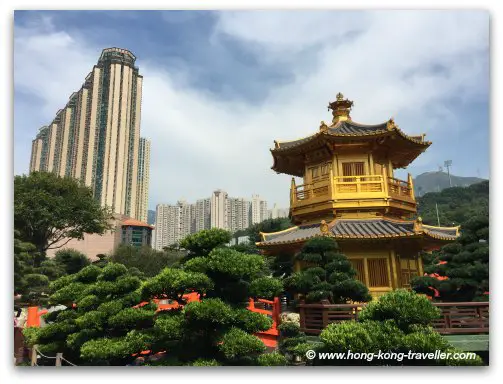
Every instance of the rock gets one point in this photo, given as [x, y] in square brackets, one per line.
[290, 317]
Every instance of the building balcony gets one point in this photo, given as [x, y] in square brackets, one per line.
[347, 192]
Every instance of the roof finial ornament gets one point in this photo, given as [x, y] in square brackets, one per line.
[390, 124]
[324, 228]
[340, 109]
[323, 126]
[418, 225]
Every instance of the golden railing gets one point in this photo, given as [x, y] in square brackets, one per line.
[313, 190]
[399, 188]
[357, 184]
[344, 186]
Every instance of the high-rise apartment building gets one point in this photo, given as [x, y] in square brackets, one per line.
[167, 225]
[174, 222]
[219, 209]
[276, 213]
[203, 214]
[143, 179]
[95, 137]
[258, 209]
[187, 218]
[238, 213]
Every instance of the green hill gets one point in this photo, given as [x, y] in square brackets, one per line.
[438, 181]
[455, 205]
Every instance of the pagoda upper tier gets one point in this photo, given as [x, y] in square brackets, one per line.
[348, 169]
[386, 141]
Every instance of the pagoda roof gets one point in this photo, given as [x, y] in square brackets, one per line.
[404, 149]
[379, 228]
[351, 128]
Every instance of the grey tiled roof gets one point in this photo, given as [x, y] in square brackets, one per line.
[352, 128]
[371, 228]
[296, 233]
[341, 128]
[359, 229]
[441, 232]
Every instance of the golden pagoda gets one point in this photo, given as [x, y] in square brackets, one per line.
[349, 192]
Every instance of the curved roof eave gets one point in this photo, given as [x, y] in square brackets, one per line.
[381, 132]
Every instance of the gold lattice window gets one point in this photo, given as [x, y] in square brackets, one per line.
[358, 266]
[378, 272]
[352, 169]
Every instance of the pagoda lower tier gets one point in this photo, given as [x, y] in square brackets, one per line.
[385, 252]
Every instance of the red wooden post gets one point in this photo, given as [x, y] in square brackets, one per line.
[276, 312]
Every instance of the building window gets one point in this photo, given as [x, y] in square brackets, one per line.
[315, 172]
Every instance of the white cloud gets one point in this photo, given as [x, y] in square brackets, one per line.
[402, 64]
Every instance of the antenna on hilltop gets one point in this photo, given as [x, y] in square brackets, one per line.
[448, 164]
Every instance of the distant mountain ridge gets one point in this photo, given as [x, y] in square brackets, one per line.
[438, 181]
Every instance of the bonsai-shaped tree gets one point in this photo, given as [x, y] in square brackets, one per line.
[460, 271]
[114, 319]
[327, 275]
[33, 274]
[203, 242]
[98, 324]
[219, 327]
[397, 322]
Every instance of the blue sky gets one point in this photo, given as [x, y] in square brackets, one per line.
[219, 87]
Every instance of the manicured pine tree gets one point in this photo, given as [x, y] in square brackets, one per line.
[113, 318]
[327, 274]
[460, 271]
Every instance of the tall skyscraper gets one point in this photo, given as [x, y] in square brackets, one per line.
[96, 137]
[143, 179]
[203, 214]
[167, 228]
[238, 213]
[219, 209]
[258, 209]
[187, 218]
[174, 222]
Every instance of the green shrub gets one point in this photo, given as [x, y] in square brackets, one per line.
[272, 359]
[31, 335]
[237, 345]
[368, 336]
[266, 287]
[289, 329]
[88, 303]
[251, 321]
[132, 318]
[406, 308]
[205, 363]
[112, 271]
[208, 313]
